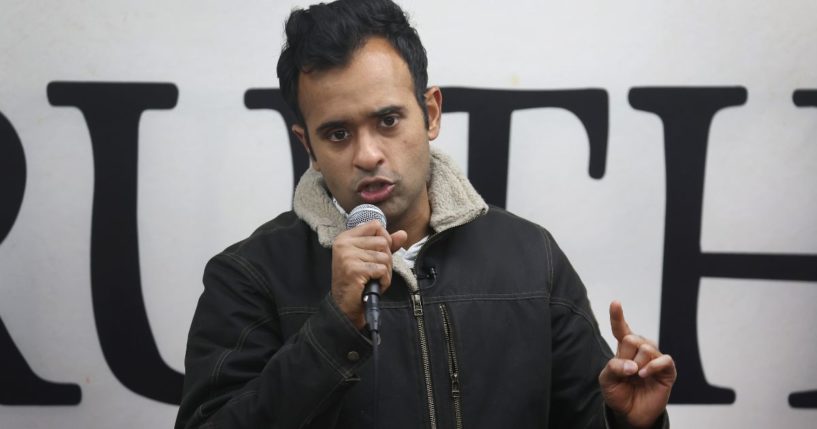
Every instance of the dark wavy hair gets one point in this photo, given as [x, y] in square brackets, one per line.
[326, 35]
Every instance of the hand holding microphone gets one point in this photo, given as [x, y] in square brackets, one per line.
[360, 255]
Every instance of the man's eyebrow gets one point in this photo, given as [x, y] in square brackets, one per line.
[379, 113]
[388, 110]
[326, 126]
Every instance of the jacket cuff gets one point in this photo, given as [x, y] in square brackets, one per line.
[337, 340]
[610, 420]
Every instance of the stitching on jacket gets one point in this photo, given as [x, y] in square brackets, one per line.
[238, 346]
[575, 310]
[572, 307]
[252, 272]
[320, 404]
[283, 311]
[549, 256]
[516, 296]
[240, 397]
[322, 351]
[217, 367]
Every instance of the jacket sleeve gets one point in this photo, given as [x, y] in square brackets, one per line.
[579, 351]
[241, 373]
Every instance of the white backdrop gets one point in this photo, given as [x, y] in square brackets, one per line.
[210, 171]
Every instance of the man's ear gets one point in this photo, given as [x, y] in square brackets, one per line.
[299, 132]
[434, 107]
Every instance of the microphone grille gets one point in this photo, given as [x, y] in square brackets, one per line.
[365, 213]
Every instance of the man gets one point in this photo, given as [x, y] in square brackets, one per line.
[484, 322]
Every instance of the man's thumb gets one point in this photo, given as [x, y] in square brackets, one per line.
[398, 239]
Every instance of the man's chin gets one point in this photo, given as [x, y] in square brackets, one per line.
[392, 209]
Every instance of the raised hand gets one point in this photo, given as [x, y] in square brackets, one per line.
[636, 383]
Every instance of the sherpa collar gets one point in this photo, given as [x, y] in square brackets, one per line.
[454, 202]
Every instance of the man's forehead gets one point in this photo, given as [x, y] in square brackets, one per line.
[375, 77]
[376, 59]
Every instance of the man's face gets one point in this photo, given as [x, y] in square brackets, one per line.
[368, 133]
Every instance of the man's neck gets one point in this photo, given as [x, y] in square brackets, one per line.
[415, 224]
[414, 234]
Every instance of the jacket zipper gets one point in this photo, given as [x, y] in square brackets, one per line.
[417, 303]
[453, 367]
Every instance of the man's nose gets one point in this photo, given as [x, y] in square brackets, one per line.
[369, 152]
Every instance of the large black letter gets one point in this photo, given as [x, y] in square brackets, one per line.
[13, 183]
[272, 99]
[112, 112]
[19, 385]
[687, 115]
[489, 129]
[804, 98]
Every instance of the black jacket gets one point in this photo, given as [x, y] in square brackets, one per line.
[493, 329]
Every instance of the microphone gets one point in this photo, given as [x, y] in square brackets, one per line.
[371, 297]
[371, 293]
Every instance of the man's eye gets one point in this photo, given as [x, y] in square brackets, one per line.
[389, 121]
[338, 135]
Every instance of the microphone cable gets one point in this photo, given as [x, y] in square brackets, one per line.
[372, 303]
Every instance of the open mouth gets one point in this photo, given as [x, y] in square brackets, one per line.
[375, 191]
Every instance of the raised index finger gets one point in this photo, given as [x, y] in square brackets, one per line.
[620, 327]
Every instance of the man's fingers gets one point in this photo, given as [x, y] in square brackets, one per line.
[661, 367]
[374, 256]
[367, 253]
[398, 239]
[381, 232]
[616, 370]
[628, 346]
[373, 242]
[617, 322]
[359, 254]
[371, 270]
[646, 353]
[371, 228]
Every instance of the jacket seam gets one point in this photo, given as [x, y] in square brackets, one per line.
[549, 257]
[488, 297]
[240, 397]
[575, 310]
[250, 270]
[238, 346]
[297, 310]
[311, 415]
[321, 350]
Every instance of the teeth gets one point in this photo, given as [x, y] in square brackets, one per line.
[373, 187]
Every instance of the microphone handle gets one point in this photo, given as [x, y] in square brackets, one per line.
[371, 301]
